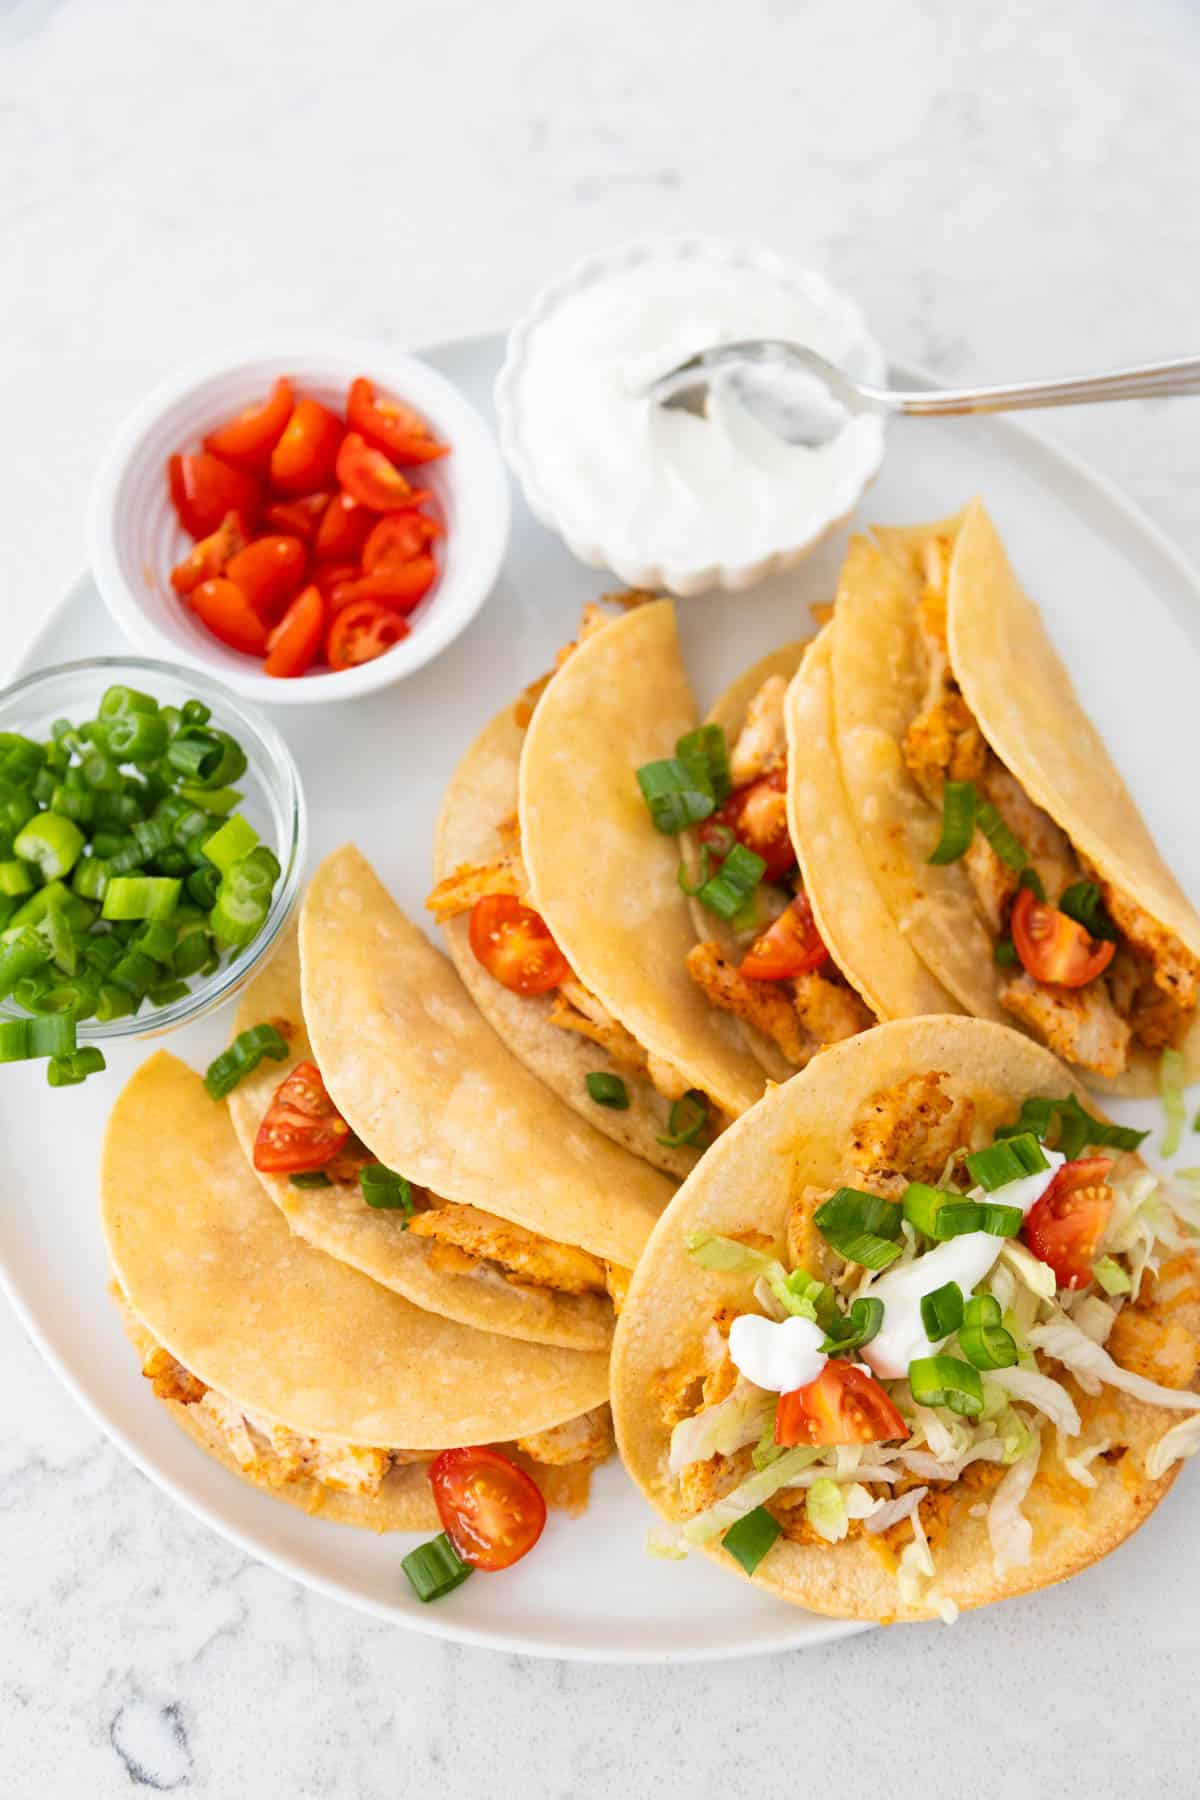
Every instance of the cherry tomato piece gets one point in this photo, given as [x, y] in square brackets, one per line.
[304, 458]
[1054, 947]
[343, 531]
[294, 644]
[756, 813]
[1065, 1227]
[209, 558]
[398, 538]
[399, 588]
[269, 572]
[223, 607]
[361, 631]
[792, 945]
[302, 1129]
[204, 489]
[842, 1406]
[248, 439]
[492, 1511]
[368, 477]
[391, 425]
[515, 946]
[297, 518]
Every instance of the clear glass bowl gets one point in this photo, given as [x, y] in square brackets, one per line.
[273, 804]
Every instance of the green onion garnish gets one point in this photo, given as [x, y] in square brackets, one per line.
[958, 821]
[751, 1537]
[727, 892]
[705, 752]
[310, 1178]
[998, 1220]
[52, 842]
[141, 897]
[231, 841]
[982, 1339]
[946, 1381]
[607, 1090]
[938, 1212]
[21, 1040]
[1109, 1274]
[1082, 901]
[75, 1067]
[1032, 880]
[861, 1227]
[1004, 952]
[675, 795]
[385, 1190]
[848, 1332]
[942, 1312]
[435, 1569]
[1067, 1126]
[686, 1120]
[243, 1057]
[1004, 842]
[1009, 1159]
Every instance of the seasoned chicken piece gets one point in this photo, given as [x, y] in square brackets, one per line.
[703, 1483]
[346, 1468]
[457, 892]
[994, 882]
[1079, 1024]
[522, 1255]
[617, 1280]
[762, 741]
[235, 1432]
[170, 1380]
[1176, 970]
[767, 1005]
[722, 1375]
[807, 1249]
[828, 1010]
[589, 1438]
[909, 1131]
[666, 1079]
[943, 742]
[575, 1009]
[1048, 848]
[1146, 1341]
[696, 1379]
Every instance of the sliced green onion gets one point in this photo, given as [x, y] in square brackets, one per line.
[91, 877]
[1067, 1126]
[946, 1381]
[157, 940]
[861, 1227]
[113, 1002]
[983, 1340]
[1030, 879]
[191, 954]
[165, 993]
[686, 1120]
[243, 1057]
[230, 842]
[204, 885]
[135, 972]
[1000, 1221]
[1083, 902]
[139, 738]
[705, 753]
[958, 821]
[17, 878]
[847, 1333]
[385, 1190]
[435, 1569]
[74, 1068]
[1009, 1159]
[20, 957]
[674, 795]
[52, 842]
[117, 702]
[939, 1212]
[727, 892]
[691, 887]
[141, 897]
[751, 1537]
[1108, 1273]
[942, 1312]
[607, 1090]
[310, 1178]
[194, 712]
[101, 775]
[1005, 843]
[21, 1040]
[218, 801]
[1172, 1074]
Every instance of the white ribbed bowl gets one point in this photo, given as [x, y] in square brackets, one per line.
[840, 333]
[135, 538]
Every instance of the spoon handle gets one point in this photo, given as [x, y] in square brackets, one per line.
[1150, 381]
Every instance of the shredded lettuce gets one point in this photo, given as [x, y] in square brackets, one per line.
[1040, 1391]
[1009, 1531]
[916, 1564]
[754, 1491]
[1078, 1466]
[1093, 1367]
[826, 1510]
[1182, 1440]
[890, 1512]
[1037, 1275]
[1095, 1317]
[1172, 1074]
[712, 1251]
[665, 1546]
[860, 1502]
[739, 1419]
[1109, 1275]
[947, 1436]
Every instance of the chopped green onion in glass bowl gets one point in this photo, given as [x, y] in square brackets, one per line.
[153, 837]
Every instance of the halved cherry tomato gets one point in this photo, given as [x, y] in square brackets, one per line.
[842, 1406]
[391, 425]
[223, 607]
[1064, 1228]
[361, 631]
[303, 1129]
[343, 530]
[1053, 947]
[792, 945]
[298, 518]
[398, 538]
[398, 587]
[248, 439]
[304, 458]
[269, 572]
[514, 944]
[368, 476]
[757, 816]
[492, 1511]
[293, 645]
[336, 581]
[204, 489]
[208, 558]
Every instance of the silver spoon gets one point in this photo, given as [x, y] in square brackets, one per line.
[806, 399]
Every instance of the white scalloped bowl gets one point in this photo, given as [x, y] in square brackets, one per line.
[135, 539]
[835, 327]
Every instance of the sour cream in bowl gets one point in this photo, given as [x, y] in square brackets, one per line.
[663, 497]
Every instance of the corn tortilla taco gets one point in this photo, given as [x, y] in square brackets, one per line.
[295, 1371]
[879, 1408]
[999, 834]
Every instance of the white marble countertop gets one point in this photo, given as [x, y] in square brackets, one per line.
[1008, 190]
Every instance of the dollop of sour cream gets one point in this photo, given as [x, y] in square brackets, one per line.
[644, 484]
[777, 1356]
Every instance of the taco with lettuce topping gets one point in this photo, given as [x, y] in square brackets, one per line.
[920, 1333]
[293, 1370]
[999, 834]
